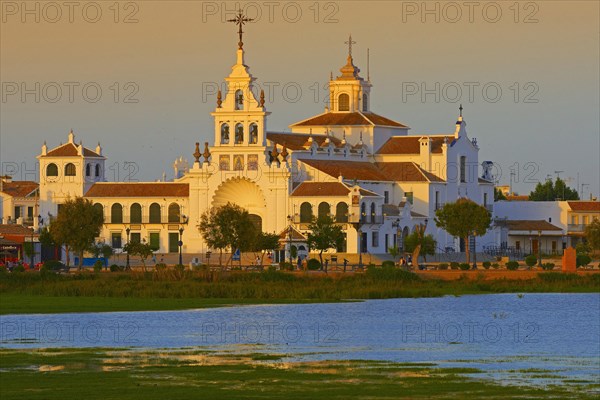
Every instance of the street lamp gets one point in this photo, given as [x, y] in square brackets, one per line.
[127, 231]
[289, 218]
[180, 245]
[540, 248]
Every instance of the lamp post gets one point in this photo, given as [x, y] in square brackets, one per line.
[540, 248]
[128, 230]
[180, 245]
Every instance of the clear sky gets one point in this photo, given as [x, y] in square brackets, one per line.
[157, 64]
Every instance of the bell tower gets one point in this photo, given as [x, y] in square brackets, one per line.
[240, 118]
[349, 92]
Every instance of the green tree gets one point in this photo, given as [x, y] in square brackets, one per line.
[498, 195]
[551, 191]
[142, 250]
[592, 234]
[227, 227]
[419, 243]
[76, 226]
[394, 252]
[462, 219]
[324, 234]
[264, 242]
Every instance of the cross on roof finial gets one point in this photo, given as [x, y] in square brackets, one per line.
[350, 42]
[240, 20]
[461, 109]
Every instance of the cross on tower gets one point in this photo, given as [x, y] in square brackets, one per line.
[240, 20]
[350, 42]
[461, 109]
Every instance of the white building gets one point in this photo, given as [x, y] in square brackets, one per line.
[378, 180]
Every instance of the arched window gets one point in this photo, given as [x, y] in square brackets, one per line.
[97, 170]
[341, 212]
[239, 100]
[343, 102]
[372, 212]
[239, 134]
[324, 209]
[99, 208]
[463, 169]
[155, 213]
[253, 133]
[306, 212]
[363, 212]
[365, 101]
[225, 134]
[52, 170]
[88, 170]
[174, 213]
[70, 169]
[135, 213]
[116, 214]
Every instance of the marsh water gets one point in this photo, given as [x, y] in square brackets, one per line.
[504, 332]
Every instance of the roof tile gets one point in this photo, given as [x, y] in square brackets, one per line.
[139, 190]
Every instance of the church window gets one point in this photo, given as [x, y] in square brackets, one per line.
[363, 212]
[97, 170]
[116, 214]
[52, 170]
[238, 163]
[343, 102]
[225, 134]
[88, 170]
[324, 209]
[70, 169]
[365, 103]
[239, 134]
[239, 100]
[253, 133]
[253, 162]
[224, 162]
[341, 212]
[463, 169]
[174, 213]
[306, 212]
[372, 212]
[135, 213]
[155, 213]
[98, 207]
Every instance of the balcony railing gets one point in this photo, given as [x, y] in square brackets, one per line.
[576, 227]
[126, 219]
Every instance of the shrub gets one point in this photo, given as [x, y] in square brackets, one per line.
[583, 260]
[464, 266]
[286, 266]
[161, 266]
[548, 266]
[454, 265]
[531, 260]
[443, 266]
[115, 268]
[19, 268]
[388, 263]
[512, 265]
[180, 268]
[98, 266]
[495, 265]
[486, 264]
[3, 270]
[313, 264]
[53, 265]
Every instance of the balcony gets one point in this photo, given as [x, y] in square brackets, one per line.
[576, 227]
[372, 219]
[127, 220]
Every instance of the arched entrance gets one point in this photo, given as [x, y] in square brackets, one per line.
[244, 193]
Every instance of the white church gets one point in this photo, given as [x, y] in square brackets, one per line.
[377, 180]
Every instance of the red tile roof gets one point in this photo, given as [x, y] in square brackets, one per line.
[406, 172]
[362, 171]
[157, 189]
[19, 188]
[299, 141]
[321, 189]
[531, 225]
[584, 205]
[70, 150]
[297, 236]
[411, 145]
[349, 118]
[15, 230]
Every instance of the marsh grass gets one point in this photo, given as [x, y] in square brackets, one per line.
[185, 289]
